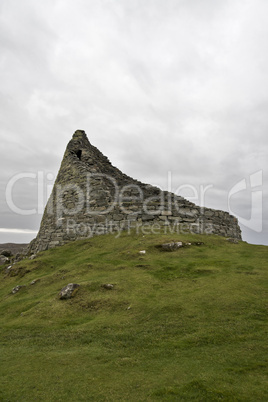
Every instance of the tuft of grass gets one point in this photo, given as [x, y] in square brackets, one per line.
[188, 325]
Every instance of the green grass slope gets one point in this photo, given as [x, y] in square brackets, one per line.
[188, 325]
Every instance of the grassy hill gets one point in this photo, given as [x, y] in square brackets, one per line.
[188, 325]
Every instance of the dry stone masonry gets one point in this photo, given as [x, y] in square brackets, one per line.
[92, 197]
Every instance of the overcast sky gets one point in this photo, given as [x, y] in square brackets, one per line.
[174, 92]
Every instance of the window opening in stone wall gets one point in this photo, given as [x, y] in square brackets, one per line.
[79, 154]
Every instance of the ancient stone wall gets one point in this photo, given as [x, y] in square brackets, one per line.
[92, 197]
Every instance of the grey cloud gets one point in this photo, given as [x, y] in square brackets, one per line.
[176, 86]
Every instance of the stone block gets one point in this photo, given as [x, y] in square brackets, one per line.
[166, 213]
[147, 218]
[118, 217]
[100, 218]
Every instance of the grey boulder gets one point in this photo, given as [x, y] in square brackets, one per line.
[17, 288]
[69, 291]
[172, 246]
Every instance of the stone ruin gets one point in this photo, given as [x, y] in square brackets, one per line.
[91, 197]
